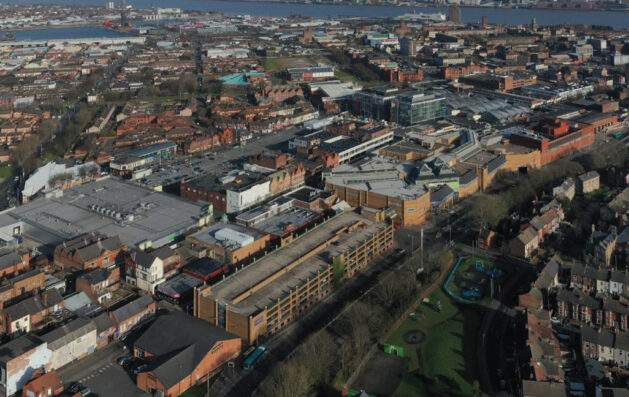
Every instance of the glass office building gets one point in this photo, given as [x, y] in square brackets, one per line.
[415, 107]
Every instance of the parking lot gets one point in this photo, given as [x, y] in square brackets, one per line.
[101, 374]
[170, 171]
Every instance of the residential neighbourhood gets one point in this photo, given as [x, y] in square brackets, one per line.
[272, 199]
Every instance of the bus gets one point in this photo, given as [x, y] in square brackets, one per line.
[255, 357]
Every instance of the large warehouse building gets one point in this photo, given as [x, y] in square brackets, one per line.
[380, 184]
[266, 295]
[142, 218]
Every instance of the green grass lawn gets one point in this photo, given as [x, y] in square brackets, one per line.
[346, 76]
[281, 63]
[447, 359]
[6, 171]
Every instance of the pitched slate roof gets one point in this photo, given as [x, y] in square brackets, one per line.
[18, 347]
[527, 235]
[547, 275]
[69, 332]
[589, 334]
[96, 276]
[142, 258]
[180, 342]
[10, 259]
[103, 322]
[132, 308]
[34, 304]
[95, 250]
[546, 389]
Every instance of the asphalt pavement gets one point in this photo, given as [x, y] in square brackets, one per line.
[100, 372]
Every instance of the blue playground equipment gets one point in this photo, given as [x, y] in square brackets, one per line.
[473, 293]
[490, 271]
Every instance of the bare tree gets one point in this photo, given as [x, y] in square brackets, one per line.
[388, 292]
[289, 379]
[319, 357]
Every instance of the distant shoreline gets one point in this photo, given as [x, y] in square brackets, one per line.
[432, 5]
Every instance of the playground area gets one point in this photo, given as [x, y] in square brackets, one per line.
[431, 352]
[472, 279]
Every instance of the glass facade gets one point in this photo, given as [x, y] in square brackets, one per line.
[411, 109]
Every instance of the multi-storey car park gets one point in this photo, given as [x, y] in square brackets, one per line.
[265, 296]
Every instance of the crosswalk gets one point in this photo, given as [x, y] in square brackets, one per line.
[96, 372]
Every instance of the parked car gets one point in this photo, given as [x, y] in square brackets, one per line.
[141, 368]
[75, 387]
[125, 361]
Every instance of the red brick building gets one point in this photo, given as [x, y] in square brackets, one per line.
[43, 385]
[402, 76]
[133, 313]
[287, 178]
[99, 283]
[89, 251]
[13, 263]
[182, 351]
[455, 73]
[33, 280]
[31, 314]
[270, 160]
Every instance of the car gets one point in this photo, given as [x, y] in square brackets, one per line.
[124, 361]
[86, 391]
[140, 368]
[75, 387]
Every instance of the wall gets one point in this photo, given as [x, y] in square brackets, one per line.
[36, 282]
[20, 370]
[74, 350]
[238, 201]
[469, 189]
[532, 160]
[196, 193]
[409, 212]
[127, 324]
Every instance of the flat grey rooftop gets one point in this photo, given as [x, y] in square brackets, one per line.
[240, 282]
[208, 235]
[144, 214]
[285, 221]
[377, 175]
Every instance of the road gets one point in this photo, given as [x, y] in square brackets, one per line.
[91, 365]
[484, 336]
[100, 372]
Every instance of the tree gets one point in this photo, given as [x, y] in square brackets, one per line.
[47, 128]
[606, 155]
[487, 210]
[388, 292]
[289, 379]
[25, 153]
[319, 357]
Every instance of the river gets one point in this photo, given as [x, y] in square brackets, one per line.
[509, 16]
[84, 32]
